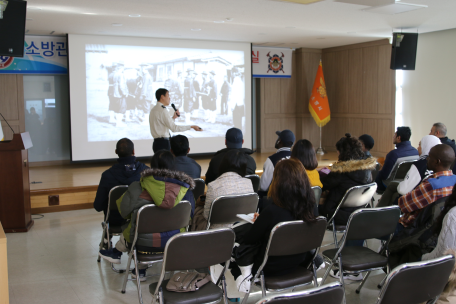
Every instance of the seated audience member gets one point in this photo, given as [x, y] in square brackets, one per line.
[126, 171]
[349, 171]
[414, 176]
[292, 200]
[404, 151]
[446, 244]
[445, 228]
[368, 143]
[283, 146]
[180, 148]
[161, 186]
[233, 141]
[440, 130]
[305, 153]
[438, 185]
[231, 180]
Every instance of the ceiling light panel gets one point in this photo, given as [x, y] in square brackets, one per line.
[367, 2]
[396, 8]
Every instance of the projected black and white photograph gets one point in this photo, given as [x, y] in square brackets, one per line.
[207, 86]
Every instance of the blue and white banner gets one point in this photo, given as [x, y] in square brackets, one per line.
[268, 62]
[42, 55]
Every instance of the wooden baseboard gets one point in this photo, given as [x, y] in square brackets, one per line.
[61, 208]
[49, 163]
[56, 191]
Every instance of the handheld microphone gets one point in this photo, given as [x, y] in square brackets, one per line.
[174, 107]
[7, 123]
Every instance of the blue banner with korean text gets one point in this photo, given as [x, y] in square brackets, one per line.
[42, 55]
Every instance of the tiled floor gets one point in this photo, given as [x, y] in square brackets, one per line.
[55, 262]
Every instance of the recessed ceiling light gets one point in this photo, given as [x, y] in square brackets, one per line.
[219, 21]
[116, 24]
[134, 16]
[196, 30]
[89, 13]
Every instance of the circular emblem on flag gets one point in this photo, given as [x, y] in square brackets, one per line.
[275, 63]
[5, 61]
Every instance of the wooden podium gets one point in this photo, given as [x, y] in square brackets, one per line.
[15, 210]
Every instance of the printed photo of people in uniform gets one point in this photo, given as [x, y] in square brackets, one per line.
[206, 86]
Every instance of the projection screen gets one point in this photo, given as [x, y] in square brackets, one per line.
[113, 82]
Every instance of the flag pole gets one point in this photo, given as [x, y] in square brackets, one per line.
[320, 150]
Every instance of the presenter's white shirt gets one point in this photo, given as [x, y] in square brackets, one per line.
[161, 122]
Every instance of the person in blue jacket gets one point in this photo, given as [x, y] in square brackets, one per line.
[403, 152]
[126, 171]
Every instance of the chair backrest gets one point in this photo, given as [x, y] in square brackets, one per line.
[375, 171]
[418, 282]
[114, 194]
[429, 214]
[224, 208]
[288, 238]
[317, 192]
[200, 186]
[198, 249]
[255, 181]
[332, 293]
[152, 219]
[372, 223]
[358, 196]
[400, 169]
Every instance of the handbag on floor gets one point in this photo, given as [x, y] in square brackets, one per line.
[187, 281]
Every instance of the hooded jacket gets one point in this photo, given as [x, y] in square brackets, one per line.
[126, 171]
[213, 171]
[162, 187]
[343, 176]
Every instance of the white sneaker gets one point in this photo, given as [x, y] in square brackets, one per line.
[322, 266]
[352, 277]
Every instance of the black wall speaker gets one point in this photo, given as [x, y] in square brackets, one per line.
[12, 29]
[403, 55]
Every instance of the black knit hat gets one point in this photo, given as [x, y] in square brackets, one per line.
[367, 140]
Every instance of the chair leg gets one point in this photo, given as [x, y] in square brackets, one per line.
[314, 270]
[335, 234]
[102, 240]
[362, 282]
[225, 295]
[263, 285]
[160, 296]
[341, 276]
[382, 282]
[138, 282]
[326, 273]
[127, 271]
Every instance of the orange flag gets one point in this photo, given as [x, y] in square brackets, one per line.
[318, 103]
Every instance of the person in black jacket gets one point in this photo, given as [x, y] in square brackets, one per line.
[126, 171]
[351, 170]
[233, 140]
[440, 130]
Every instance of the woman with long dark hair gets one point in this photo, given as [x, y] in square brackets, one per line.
[304, 151]
[292, 199]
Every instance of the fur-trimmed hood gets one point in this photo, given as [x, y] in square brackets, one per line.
[354, 165]
[169, 174]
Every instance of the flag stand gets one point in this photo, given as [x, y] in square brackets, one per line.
[320, 150]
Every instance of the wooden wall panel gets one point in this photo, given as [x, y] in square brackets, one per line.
[386, 81]
[340, 103]
[271, 96]
[310, 131]
[271, 125]
[385, 135]
[287, 99]
[355, 80]
[370, 80]
[8, 97]
[329, 63]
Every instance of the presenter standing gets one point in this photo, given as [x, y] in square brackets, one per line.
[161, 122]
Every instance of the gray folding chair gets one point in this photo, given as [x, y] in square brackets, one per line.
[400, 170]
[200, 186]
[332, 293]
[363, 224]
[225, 208]
[317, 192]
[194, 250]
[289, 238]
[151, 219]
[418, 282]
[255, 181]
[108, 229]
[358, 196]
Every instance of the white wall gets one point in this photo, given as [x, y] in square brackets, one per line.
[429, 92]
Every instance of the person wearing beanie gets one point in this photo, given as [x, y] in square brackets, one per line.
[368, 143]
[233, 140]
[284, 142]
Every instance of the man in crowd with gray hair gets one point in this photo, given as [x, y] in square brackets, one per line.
[440, 130]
